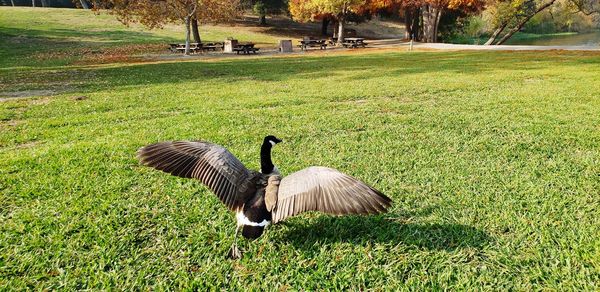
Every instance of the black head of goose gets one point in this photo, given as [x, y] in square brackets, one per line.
[262, 198]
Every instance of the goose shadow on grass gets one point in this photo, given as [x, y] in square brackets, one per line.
[378, 229]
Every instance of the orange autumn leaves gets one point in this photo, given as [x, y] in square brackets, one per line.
[308, 10]
[155, 13]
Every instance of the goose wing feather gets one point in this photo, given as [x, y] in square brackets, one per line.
[212, 164]
[326, 190]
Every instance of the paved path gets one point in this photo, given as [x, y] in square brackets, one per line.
[454, 47]
[387, 44]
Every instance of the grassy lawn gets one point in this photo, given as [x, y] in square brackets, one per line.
[492, 160]
[52, 36]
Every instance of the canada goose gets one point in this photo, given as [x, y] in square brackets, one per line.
[262, 198]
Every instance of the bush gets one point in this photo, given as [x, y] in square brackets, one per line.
[467, 30]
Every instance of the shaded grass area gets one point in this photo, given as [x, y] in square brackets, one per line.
[27, 35]
[492, 160]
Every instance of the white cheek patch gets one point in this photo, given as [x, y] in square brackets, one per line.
[272, 143]
[243, 220]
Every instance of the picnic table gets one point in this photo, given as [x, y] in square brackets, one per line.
[245, 48]
[307, 42]
[196, 47]
[354, 42]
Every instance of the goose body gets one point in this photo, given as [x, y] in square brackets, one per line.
[261, 198]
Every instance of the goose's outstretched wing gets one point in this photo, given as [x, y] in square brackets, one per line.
[326, 190]
[212, 164]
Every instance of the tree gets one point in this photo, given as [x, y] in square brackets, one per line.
[264, 7]
[303, 11]
[261, 9]
[84, 4]
[432, 10]
[325, 21]
[195, 31]
[587, 7]
[155, 13]
[514, 14]
[412, 22]
[341, 11]
[422, 17]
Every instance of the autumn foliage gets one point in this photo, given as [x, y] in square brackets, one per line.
[338, 10]
[155, 13]
[422, 16]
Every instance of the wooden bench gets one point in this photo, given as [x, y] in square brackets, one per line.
[245, 49]
[193, 49]
[212, 46]
[311, 43]
[354, 43]
[196, 47]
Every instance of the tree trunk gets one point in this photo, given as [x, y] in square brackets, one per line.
[408, 24]
[335, 29]
[421, 25]
[411, 16]
[32, 3]
[520, 25]
[495, 35]
[416, 24]
[324, 25]
[438, 16]
[84, 4]
[12, 2]
[412, 20]
[44, 3]
[195, 31]
[427, 24]
[187, 35]
[262, 20]
[430, 22]
[340, 35]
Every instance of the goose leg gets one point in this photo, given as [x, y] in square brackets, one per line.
[234, 252]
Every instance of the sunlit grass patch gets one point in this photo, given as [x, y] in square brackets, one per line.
[492, 160]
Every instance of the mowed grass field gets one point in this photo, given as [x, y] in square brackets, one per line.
[492, 160]
[54, 37]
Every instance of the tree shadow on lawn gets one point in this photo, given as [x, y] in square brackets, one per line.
[348, 68]
[40, 49]
[277, 69]
[32, 37]
[297, 67]
[364, 229]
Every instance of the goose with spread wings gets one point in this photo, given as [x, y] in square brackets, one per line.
[263, 197]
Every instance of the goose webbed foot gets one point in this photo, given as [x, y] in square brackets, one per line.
[234, 252]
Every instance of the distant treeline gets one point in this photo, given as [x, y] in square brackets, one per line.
[38, 3]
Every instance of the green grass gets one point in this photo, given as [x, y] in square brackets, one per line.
[26, 35]
[492, 160]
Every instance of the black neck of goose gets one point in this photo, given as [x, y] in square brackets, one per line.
[266, 165]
